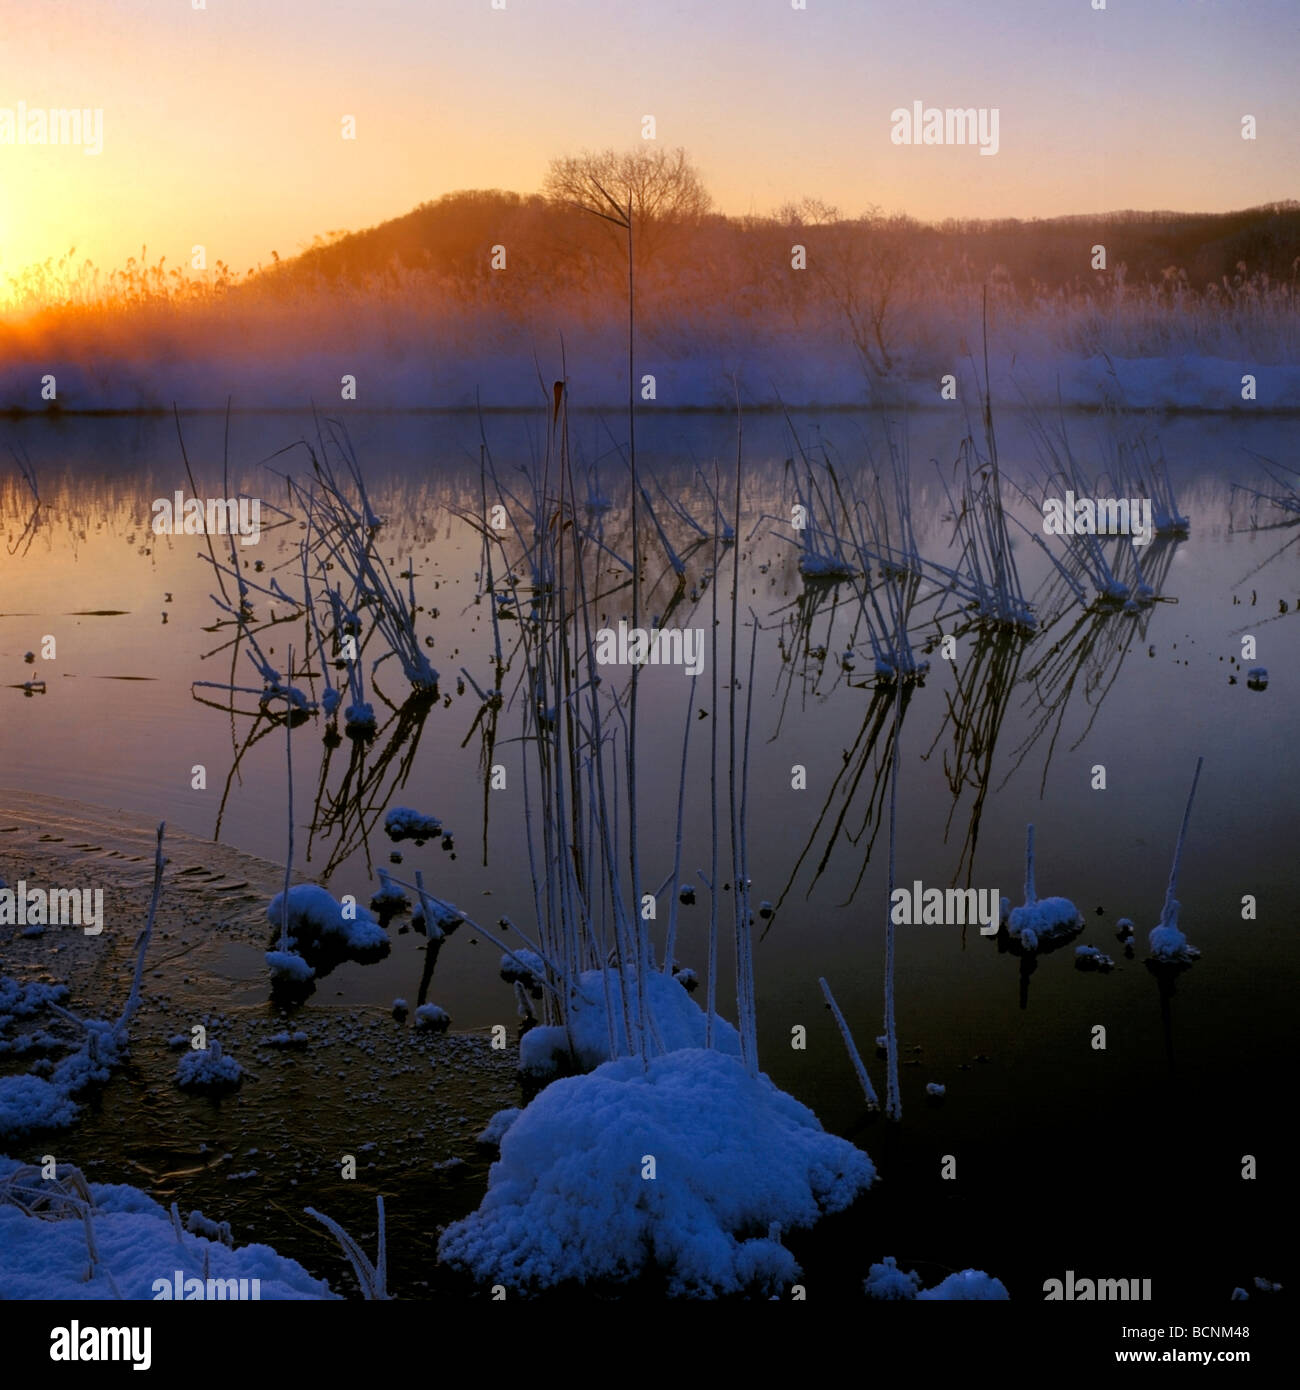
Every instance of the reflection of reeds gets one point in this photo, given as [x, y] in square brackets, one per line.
[1283, 500]
[28, 533]
[976, 709]
[346, 531]
[1085, 658]
[861, 762]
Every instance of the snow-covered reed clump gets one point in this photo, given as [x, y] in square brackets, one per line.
[1168, 944]
[598, 1032]
[668, 1169]
[1041, 920]
[208, 1068]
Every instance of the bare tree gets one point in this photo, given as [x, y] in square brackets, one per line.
[659, 189]
[807, 212]
[862, 266]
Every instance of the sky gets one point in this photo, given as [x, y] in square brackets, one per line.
[223, 125]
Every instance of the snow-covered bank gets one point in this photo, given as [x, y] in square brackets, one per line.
[121, 1247]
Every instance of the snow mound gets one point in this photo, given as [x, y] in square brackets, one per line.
[678, 1021]
[887, 1281]
[27, 1102]
[136, 1242]
[288, 965]
[359, 720]
[204, 1067]
[496, 1127]
[317, 921]
[572, 1196]
[1167, 942]
[1048, 919]
[388, 897]
[403, 823]
[446, 917]
[969, 1285]
[22, 1001]
[525, 966]
[1090, 958]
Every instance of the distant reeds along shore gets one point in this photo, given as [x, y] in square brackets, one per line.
[808, 304]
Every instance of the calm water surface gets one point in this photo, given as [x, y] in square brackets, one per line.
[1116, 1163]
